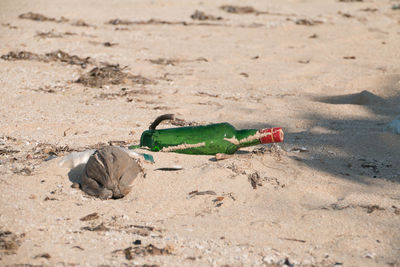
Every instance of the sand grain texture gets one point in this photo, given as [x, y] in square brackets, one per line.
[327, 72]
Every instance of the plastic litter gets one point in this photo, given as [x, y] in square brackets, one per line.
[209, 139]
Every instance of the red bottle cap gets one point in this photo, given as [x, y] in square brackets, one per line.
[271, 135]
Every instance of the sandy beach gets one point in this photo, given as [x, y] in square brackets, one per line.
[78, 75]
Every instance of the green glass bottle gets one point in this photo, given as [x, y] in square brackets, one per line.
[206, 140]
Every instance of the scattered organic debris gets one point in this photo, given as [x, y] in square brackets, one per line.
[138, 229]
[21, 55]
[164, 61]
[239, 9]
[369, 9]
[207, 94]
[98, 228]
[345, 15]
[308, 22]
[90, 217]
[62, 56]
[349, 57]
[58, 55]
[8, 151]
[274, 150]
[200, 15]
[304, 61]
[124, 93]
[143, 22]
[111, 74]
[9, 242]
[50, 199]
[120, 22]
[255, 180]
[121, 29]
[80, 23]
[43, 255]
[142, 251]
[348, 1]
[8, 25]
[53, 34]
[159, 22]
[201, 193]
[49, 34]
[40, 17]
[23, 171]
[235, 169]
[313, 36]
[109, 44]
[368, 208]
[370, 165]
[294, 239]
[43, 150]
[249, 10]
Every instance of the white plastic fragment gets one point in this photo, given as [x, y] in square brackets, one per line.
[77, 158]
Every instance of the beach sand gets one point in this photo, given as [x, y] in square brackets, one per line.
[325, 71]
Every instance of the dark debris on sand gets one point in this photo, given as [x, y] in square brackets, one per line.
[58, 55]
[200, 15]
[111, 74]
[40, 17]
[9, 242]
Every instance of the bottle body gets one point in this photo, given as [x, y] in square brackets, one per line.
[206, 140]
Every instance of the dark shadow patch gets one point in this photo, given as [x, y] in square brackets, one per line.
[75, 174]
[363, 98]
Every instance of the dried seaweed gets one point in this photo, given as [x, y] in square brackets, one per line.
[164, 61]
[111, 74]
[22, 55]
[255, 180]
[200, 15]
[80, 23]
[308, 22]
[98, 228]
[119, 22]
[38, 17]
[58, 55]
[90, 217]
[49, 34]
[98, 77]
[142, 251]
[9, 242]
[239, 9]
[62, 56]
